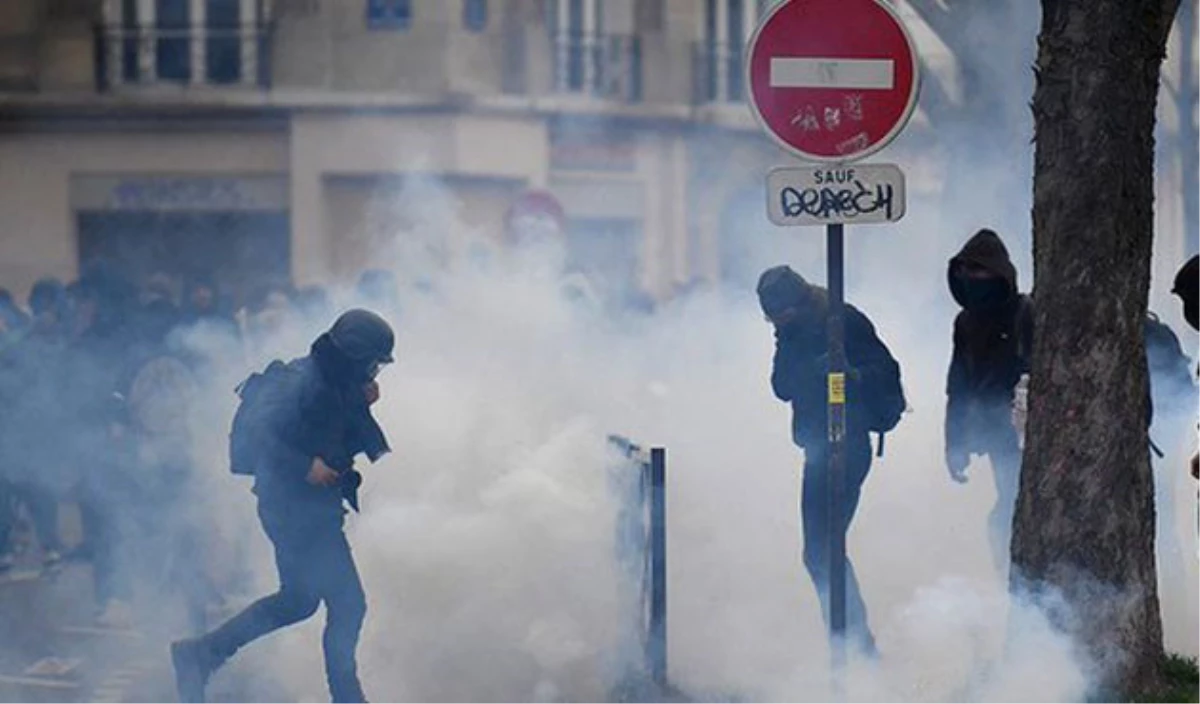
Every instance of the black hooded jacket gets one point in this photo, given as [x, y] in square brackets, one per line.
[1172, 388]
[323, 413]
[799, 369]
[993, 340]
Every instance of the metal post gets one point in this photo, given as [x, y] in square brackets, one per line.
[657, 641]
[836, 397]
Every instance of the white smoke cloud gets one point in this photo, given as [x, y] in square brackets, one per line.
[487, 541]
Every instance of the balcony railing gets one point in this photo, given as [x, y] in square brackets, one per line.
[719, 71]
[190, 55]
[605, 66]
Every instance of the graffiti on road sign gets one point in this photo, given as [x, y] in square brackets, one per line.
[822, 195]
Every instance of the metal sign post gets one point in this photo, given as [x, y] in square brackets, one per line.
[836, 486]
[831, 82]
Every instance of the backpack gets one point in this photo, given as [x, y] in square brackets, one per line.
[264, 395]
[885, 405]
[1165, 358]
[1170, 370]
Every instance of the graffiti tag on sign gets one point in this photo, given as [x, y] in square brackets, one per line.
[859, 194]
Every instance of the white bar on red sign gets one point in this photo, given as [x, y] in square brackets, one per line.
[858, 74]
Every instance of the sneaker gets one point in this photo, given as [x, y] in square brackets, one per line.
[116, 615]
[191, 669]
[7, 562]
[51, 558]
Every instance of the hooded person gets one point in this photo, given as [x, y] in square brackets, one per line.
[1187, 287]
[203, 305]
[297, 431]
[104, 328]
[799, 312]
[40, 470]
[993, 337]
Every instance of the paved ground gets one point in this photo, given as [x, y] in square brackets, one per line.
[52, 650]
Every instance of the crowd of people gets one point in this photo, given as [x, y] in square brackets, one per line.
[992, 344]
[97, 376]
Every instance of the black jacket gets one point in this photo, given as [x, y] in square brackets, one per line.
[799, 369]
[1172, 386]
[323, 414]
[36, 411]
[992, 348]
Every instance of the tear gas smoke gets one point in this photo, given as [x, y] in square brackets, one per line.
[487, 542]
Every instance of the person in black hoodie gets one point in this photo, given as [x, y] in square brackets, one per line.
[1187, 287]
[993, 337]
[315, 418]
[105, 324]
[799, 312]
[36, 403]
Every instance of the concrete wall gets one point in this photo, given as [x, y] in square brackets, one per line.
[329, 146]
[414, 224]
[37, 226]
[344, 176]
[19, 21]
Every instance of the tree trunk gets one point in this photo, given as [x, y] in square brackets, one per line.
[1085, 513]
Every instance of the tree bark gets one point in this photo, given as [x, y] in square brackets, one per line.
[1085, 513]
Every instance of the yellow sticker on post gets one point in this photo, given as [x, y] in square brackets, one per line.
[837, 388]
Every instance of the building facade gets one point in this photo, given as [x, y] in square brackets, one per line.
[303, 140]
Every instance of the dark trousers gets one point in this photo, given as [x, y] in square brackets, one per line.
[814, 521]
[1004, 454]
[315, 565]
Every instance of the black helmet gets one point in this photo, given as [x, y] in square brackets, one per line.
[363, 336]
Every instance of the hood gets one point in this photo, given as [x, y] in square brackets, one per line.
[1187, 287]
[987, 250]
[780, 288]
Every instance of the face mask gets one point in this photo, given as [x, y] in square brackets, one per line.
[374, 369]
[983, 294]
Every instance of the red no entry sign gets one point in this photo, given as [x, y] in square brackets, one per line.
[832, 80]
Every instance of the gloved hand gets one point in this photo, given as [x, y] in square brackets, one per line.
[349, 481]
[956, 465]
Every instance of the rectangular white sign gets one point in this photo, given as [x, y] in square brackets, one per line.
[857, 194]
[858, 74]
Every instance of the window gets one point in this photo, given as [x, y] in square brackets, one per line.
[182, 41]
[389, 14]
[727, 27]
[475, 15]
[128, 40]
[173, 55]
[224, 48]
[576, 28]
